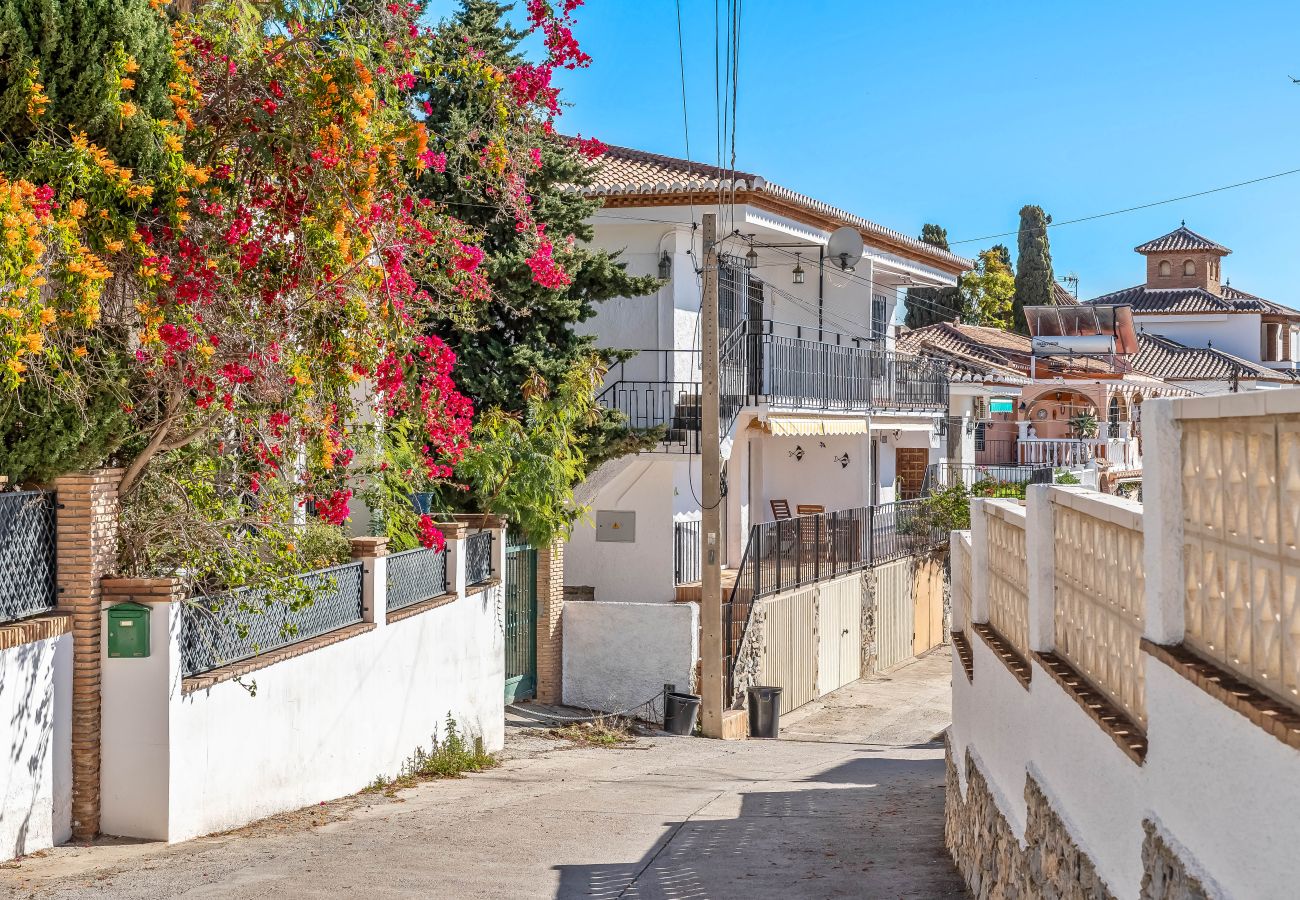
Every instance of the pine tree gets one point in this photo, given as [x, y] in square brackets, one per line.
[1034, 278]
[526, 331]
[935, 235]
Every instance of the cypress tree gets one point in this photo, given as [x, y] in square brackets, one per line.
[1034, 278]
[930, 305]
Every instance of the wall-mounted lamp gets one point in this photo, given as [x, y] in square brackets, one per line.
[665, 266]
[798, 269]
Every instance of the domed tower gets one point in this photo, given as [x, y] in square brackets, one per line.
[1183, 259]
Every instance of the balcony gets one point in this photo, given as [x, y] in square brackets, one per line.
[1120, 453]
[790, 370]
[766, 362]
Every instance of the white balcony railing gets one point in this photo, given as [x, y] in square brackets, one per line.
[1120, 453]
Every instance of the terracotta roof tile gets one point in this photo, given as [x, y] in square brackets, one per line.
[971, 349]
[1160, 357]
[1180, 239]
[623, 171]
[1062, 297]
[1191, 300]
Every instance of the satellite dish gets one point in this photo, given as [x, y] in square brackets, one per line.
[844, 248]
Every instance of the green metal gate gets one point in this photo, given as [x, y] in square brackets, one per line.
[521, 620]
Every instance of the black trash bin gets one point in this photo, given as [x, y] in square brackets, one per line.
[764, 712]
[680, 712]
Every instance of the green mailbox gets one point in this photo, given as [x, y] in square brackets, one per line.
[128, 630]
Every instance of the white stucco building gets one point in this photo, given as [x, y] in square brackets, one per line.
[1186, 300]
[818, 410]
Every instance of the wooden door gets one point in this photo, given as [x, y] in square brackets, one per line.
[909, 468]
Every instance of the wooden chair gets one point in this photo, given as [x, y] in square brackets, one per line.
[780, 509]
[815, 544]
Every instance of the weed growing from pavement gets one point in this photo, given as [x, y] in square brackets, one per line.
[606, 731]
[451, 757]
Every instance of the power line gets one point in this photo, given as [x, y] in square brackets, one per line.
[1129, 209]
[686, 122]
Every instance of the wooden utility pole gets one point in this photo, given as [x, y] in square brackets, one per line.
[711, 650]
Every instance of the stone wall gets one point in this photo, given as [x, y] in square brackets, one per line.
[1166, 877]
[748, 656]
[1049, 865]
[989, 856]
[868, 621]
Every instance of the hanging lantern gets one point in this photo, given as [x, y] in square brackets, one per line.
[751, 258]
[798, 269]
[665, 266]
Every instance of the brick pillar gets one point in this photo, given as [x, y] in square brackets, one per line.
[550, 608]
[87, 550]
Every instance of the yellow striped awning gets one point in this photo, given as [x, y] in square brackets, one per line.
[810, 426]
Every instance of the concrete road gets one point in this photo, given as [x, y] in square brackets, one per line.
[848, 804]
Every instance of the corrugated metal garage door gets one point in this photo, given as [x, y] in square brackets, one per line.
[894, 613]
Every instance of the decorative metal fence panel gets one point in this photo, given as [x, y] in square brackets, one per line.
[686, 552]
[27, 535]
[226, 628]
[415, 576]
[671, 405]
[521, 621]
[478, 557]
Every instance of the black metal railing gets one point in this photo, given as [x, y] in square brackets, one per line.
[226, 628]
[686, 552]
[415, 576]
[478, 557]
[808, 374]
[765, 361]
[655, 365]
[986, 481]
[27, 535]
[673, 406]
[1000, 451]
[800, 551]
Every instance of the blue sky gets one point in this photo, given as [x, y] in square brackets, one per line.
[959, 113]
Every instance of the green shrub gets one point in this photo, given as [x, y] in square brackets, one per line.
[993, 487]
[450, 757]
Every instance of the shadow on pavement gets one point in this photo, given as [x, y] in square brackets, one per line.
[857, 840]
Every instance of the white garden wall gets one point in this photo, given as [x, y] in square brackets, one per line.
[1154, 757]
[617, 655]
[178, 764]
[35, 737]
